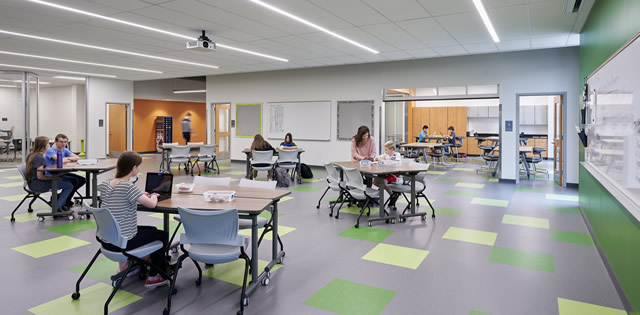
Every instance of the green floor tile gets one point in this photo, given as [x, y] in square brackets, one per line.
[91, 301]
[464, 169]
[529, 189]
[237, 173]
[72, 227]
[172, 227]
[50, 246]
[102, 269]
[345, 298]
[14, 177]
[356, 210]
[474, 312]
[267, 214]
[305, 189]
[282, 231]
[447, 212]
[526, 221]
[571, 237]
[470, 185]
[448, 179]
[461, 193]
[523, 259]
[313, 180]
[490, 202]
[400, 256]
[436, 173]
[285, 198]
[471, 236]
[232, 272]
[571, 307]
[331, 199]
[366, 233]
[23, 216]
[152, 165]
[14, 197]
[560, 209]
[14, 184]
[562, 197]
[224, 167]
[493, 180]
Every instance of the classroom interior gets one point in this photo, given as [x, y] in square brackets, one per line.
[533, 207]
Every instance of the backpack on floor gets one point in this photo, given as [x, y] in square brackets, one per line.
[305, 171]
[282, 177]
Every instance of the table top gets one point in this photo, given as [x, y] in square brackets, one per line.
[248, 150]
[102, 165]
[428, 145]
[522, 149]
[381, 170]
[197, 202]
[165, 146]
[493, 138]
[243, 192]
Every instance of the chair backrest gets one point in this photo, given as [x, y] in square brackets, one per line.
[195, 143]
[213, 181]
[257, 183]
[22, 169]
[262, 157]
[421, 176]
[172, 144]
[108, 228]
[288, 156]
[216, 227]
[333, 175]
[353, 178]
[180, 150]
[208, 149]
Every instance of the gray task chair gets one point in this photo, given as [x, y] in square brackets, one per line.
[355, 188]
[22, 168]
[211, 237]
[288, 160]
[245, 224]
[181, 154]
[401, 189]
[333, 183]
[108, 231]
[262, 161]
[207, 155]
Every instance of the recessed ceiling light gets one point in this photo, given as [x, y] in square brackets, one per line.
[61, 71]
[318, 27]
[8, 86]
[20, 81]
[485, 18]
[68, 78]
[152, 29]
[77, 61]
[107, 49]
[188, 91]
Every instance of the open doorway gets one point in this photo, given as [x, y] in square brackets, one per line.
[117, 134]
[222, 130]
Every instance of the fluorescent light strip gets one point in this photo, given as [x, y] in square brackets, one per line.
[486, 20]
[20, 81]
[61, 71]
[107, 49]
[8, 86]
[188, 91]
[68, 78]
[318, 27]
[77, 61]
[152, 29]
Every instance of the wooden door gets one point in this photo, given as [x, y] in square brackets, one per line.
[558, 163]
[117, 129]
[222, 131]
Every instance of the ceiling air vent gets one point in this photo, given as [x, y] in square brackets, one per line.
[573, 6]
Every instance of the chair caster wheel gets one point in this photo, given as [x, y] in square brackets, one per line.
[245, 301]
[40, 219]
[433, 215]
[370, 224]
[71, 217]
[239, 313]
[424, 218]
[174, 291]
[317, 207]
[13, 220]
[387, 221]
[75, 295]
[336, 216]
[265, 281]
[166, 311]
[174, 250]
[198, 282]
[30, 210]
[81, 217]
[280, 261]
[114, 283]
[357, 226]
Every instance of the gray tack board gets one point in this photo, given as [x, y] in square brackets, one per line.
[353, 114]
[248, 119]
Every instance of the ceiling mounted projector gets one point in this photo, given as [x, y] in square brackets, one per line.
[203, 43]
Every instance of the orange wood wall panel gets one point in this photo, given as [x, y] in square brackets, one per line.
[146, 111]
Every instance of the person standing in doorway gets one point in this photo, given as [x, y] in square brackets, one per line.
[186, 127]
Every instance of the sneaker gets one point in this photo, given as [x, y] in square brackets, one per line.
[155, 281]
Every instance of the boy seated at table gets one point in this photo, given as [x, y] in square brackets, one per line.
[390, 154]
[51, 157]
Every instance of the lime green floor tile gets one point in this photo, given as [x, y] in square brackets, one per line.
[471, 236]
[50, 246]
[523, 259]
[172, 227]
[232, 272]
[285, 198]
[470, 185]
[313, 180]
[237, 173]
[152, 164]
[436, 172]
[490, 202]
[23, 216]
[102, 269]
[14, 177]
[447, 179]
[461, 193]
[366, 233]
[305, 189]
[529, 189]
[72, 227]
[282, 230]
[464, 169]
[400, 256]
[571, 237]
[447, 212]
[562, 197]
[267, 214]
[474, 312]
[571, 307]
[526, 221]
[14, 184]
[346, 298]
[91, 301]
[560, 209]
[331, 199]
[224, 167]
[494, 180]
[13, 197]
[235, 180]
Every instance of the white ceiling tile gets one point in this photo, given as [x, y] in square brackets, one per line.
[271, 47]
[422, 53]
[123, 5]
[481, 48]
[511, 23]
[354, 12]
[157, 1]
[349, 59]
[398, 10]
[395, 55]
[502, 3]
[451, 50]
[549, 41]
[429, 32]
[307, 45]
[326, 61]
[394, 35]
[520, 44]
[465, 27]
[549, 18]
[440, 7]
[373, 57]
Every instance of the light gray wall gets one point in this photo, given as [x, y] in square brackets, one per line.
[163, 90]
[11, 109]
[536, 71]
[101, 92]
[63, 99]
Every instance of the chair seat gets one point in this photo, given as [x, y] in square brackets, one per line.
[360, 195]
[534, 160]
[400, 188]
[139, 252]
[205, 158]
[262, 168]
[179, 160]
[215, 254]
[245, 224]
[334, 186]
[287, 166]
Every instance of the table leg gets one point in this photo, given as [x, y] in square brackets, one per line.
[54, 192]
[254, 248]
[413, 193]
[248, 165]
[94, 187]
[87, 186]
[523, 157]
[274, 233]
[298, 169]
[166, 228]
[381, 196]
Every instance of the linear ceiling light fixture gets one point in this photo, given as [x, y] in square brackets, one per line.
[64, 77]
[77, 61]
[188, 91]
[20, 81]
[318, 27]
[61, 71]
[106, 49]
[8, 86]
[62, 7]
[485, 18]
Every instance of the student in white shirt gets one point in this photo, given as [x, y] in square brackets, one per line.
[390, 154]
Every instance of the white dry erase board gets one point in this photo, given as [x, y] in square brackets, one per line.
[304, 120]
[612, 126]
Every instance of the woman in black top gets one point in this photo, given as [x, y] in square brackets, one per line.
[259, 144]
[38, 181]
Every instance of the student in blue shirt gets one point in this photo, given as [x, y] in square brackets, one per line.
[424, 134]
[288, 143]
[51, 157]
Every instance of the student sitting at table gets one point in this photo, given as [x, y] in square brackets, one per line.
[390, 154]
[51, 158]
[288, 143]
[259, 144]
[120, 196]
[362, 145]
[39, 181]
[451, 137]
[424, 134]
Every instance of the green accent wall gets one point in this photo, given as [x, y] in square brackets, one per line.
[611, 23]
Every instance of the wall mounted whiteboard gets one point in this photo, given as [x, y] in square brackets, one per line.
[352, 115]
[248, 120]
[304, 120]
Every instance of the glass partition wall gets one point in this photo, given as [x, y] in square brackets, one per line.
[19, 94]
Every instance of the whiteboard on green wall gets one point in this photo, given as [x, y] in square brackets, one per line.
[304, 120]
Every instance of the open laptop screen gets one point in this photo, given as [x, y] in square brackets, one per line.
[160, 183]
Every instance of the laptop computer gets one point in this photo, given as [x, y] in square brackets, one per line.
[159, 183]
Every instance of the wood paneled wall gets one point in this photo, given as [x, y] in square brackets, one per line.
[438, 119]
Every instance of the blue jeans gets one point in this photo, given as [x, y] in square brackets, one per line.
[67, 190]
[75, 180]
